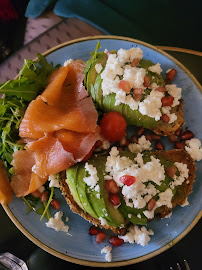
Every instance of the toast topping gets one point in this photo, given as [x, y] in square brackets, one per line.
[194, 149]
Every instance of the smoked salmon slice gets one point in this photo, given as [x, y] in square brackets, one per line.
[5, 187]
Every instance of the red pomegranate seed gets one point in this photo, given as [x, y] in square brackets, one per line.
[127, 179]
[135, 62]
[155, 137]
[115, 241]
[148, 137]
[125, 86]
[146, 81]
[159, 146]
[134, 139]
[137, 94]
[187, 135]
[55, 204]
[167, 101]
[111, 186]
[173, 138]
[36, 194]
[100, 236]
[93, 230]
[171, 75]
[160, 89]
[151, 204]
[140, 131]
[98, 144]
[171, 171]
[178, 132]
[179, 145]
[165, 118]
[114, 199]
[44, 196]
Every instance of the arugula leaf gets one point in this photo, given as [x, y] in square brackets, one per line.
[93, 57]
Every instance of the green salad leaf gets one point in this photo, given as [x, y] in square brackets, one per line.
[93, 57]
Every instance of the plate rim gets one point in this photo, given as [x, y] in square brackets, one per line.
[123, 262]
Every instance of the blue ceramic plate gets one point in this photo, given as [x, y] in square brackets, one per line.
[78, 246]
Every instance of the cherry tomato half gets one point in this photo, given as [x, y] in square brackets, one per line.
[113, 126]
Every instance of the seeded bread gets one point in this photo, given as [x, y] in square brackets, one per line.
[176, 155]
[166, 129]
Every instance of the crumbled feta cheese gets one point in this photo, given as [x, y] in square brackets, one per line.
[194, 148]
[172, 116]
[53, 181]
[129, 215]
[103, 221]
[135, 76]
[93, 178]
[56, 223]
[67, 62]
[185, 203]
[165, 198]
[98, 68]
[155, 68]
[142, 145]
[126, 56]
[175, 92]
[184, 174]
[97, 189]
[138, 235]
[148, 214]
[139, 216]
[107, 250]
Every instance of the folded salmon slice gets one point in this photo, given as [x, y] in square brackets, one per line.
[25, 181]
[5, 187]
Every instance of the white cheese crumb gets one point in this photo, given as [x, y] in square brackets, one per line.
[194, 148]
[129, 215]
[98, 68]
[53, 181]
[184, 174]
[138, 235]
[93, 178]
[172, 116]
[139, 216]
[103, 221]
[56, 223]
[148, 214]
[175, 92]
[142, 145]
[107, 250]
[67, 62]
[155, 68]
[185, 203]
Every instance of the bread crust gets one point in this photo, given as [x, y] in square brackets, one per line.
[176, 155]
[166, 129]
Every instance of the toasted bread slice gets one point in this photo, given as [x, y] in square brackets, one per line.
[166, 129]
[176, 155]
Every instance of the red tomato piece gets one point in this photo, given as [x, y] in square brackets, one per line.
[127, 179]
[113, 126]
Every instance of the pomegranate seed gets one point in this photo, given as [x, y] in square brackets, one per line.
[187, 135]
[171, 171]
[98, 144]
[165, 118]
[167, 101]
[178, 132]
[100, 236]
[155, 137]
[127, 179]
[148, 137]
[137, 94]
[140, 131]
[111, 186]
[151, 204]
[55, 204]
[134, 139]
[125, 86]
[116, 241]
[114, 199]
[36, 194]
[179, 145]
[146, 81]
[93, 230]
[171, 75]
[135, 62]
[160, 89]
[44, 196]
[173, 138]
[159, 146]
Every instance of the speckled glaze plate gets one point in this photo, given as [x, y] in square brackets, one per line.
[78, 246]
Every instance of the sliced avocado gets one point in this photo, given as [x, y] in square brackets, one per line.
[82, 190]
[71, 176]
[102, 205]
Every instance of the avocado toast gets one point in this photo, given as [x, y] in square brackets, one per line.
[125, 82]
[163, 191]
